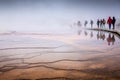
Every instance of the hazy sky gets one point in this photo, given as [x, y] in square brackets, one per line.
[50, 15]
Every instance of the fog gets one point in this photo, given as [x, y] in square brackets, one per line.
[47, 16]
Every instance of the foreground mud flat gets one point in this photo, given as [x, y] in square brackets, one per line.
[59, 57]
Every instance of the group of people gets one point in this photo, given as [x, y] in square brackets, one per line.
[101, 23]
[91, 22]
[111, 21]
[110, 39]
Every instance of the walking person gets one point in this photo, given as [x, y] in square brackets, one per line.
[109, 21]
[98, 23]
[104, 22]
[79, 23]
[101, 23]
[91, 22]
[113, 22]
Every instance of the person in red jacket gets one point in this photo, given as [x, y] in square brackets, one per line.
[109, 21]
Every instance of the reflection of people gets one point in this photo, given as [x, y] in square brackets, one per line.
[85, 32]
[79, 32]
[91, 34]
[86, 22]
[113, 39]
[109, 21]
[101, 35]
[98, 35]
[109, 39]
[113, 22]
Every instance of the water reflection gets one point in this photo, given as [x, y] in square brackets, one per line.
[101, 35]
[85, 32]
[110, 39]
[91, 34]
[79, 32]
[98, 35]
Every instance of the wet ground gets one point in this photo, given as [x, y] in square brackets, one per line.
[82, 55]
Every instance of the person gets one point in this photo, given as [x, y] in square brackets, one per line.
[113, 22]
[101, 23]
[109, 21]
[98, 23]
[86, 22]
[104, 22]
[91, 22]
[79, 23]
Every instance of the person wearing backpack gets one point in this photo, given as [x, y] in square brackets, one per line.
[109, 22]
[113, 22]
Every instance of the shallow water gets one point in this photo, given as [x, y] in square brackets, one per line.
[82, 54]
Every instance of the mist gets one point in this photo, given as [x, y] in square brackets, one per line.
[47, 16]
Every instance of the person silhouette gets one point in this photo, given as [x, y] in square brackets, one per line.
[98, 23]
[101, 23]
[104, 22]
[109, 21]
[91, 22]
[113, 22]
[79, 23]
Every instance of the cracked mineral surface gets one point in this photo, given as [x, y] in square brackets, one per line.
[87, 56]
